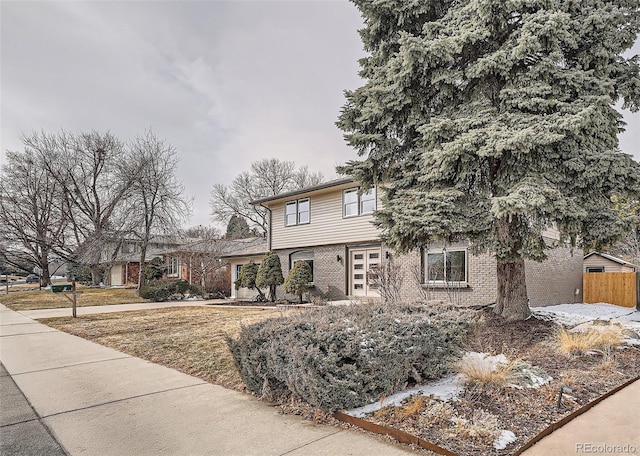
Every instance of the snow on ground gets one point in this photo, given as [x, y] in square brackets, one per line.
[581, 317]
[505, 438]
[573, 314]
[444, 389]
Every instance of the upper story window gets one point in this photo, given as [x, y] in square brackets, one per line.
[297, 212]
[355, 203]
[448, 266]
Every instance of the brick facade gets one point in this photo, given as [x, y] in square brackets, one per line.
[553, 281]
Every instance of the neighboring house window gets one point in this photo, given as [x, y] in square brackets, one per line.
[297, 212]
[173, 267]
[595, 269]
[302, 255]
[358, 204]
[446, 266]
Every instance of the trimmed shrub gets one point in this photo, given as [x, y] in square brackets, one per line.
[298, 279]
[344, 357]
[247, 278]
[270, 274]
[164, 290]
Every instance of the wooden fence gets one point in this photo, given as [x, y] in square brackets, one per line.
[620, 288]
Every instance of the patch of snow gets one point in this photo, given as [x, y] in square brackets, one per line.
[505, 438]
[477, 358]
[444, 389]
[575, 314]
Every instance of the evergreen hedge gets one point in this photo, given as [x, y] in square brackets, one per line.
[343, 357]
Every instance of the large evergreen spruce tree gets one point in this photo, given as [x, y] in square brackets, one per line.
[490, 120]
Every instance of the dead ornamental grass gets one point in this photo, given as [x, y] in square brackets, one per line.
[45, 299]
[191, 340]
[582, 342]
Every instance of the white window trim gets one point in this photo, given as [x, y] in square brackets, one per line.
[359, 202]
[170, 268]
[297, 211]
[445, 283]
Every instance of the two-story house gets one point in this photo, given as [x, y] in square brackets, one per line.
[330, 226]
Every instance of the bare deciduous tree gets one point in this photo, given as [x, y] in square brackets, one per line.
[32, 222]
[268, 177]
[89, 168]
[156, 195]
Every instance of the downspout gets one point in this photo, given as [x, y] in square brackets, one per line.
[269, 219]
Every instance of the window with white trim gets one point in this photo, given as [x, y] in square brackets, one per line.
[355, 203]
[173, 266]
[447, 266]
[302, 255]
[297, 212]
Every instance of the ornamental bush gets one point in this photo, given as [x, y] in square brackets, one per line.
[343, 357]
[270, 274]
[298, 279]
[164, 290]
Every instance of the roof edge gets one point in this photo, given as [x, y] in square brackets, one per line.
[314, 188]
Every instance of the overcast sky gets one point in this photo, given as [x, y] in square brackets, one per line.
[226, 83]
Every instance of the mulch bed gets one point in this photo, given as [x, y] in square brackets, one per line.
[528, 411]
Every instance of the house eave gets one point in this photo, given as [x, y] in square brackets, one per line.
[302, 191]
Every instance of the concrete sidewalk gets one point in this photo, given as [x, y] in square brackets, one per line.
[97, 401]
[612, 427]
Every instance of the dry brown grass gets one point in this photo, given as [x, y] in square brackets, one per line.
[45, 299]
[483, 428]
[480, 371]
[191, 339]
[580, 343]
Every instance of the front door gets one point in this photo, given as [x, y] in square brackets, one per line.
[362, 260]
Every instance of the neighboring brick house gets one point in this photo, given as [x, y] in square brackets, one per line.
[198, 261]
[125, 269]
[330, 226]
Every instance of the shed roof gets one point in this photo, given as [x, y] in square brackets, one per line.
[610, 258]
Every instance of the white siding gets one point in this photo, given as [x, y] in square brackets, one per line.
[609, 266]
[327, 225]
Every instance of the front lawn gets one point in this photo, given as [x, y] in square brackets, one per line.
[45, 299]
[191, 340]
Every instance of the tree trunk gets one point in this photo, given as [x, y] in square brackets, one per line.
[95, 274]
[512, 302]
[45, 279]
[143, 265]
[272, 293]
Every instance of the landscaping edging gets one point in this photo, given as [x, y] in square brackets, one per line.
[571, 416]
[405, 437]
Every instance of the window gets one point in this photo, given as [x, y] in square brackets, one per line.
[446, 266]
[297, 212]
[595, 268]
[358, 204]
[173, 267]
[302, 255]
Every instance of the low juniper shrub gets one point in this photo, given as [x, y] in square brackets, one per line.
[164, 290]
[343, 357]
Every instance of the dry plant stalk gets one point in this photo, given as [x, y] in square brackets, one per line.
[579, 343]
[482, 372]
